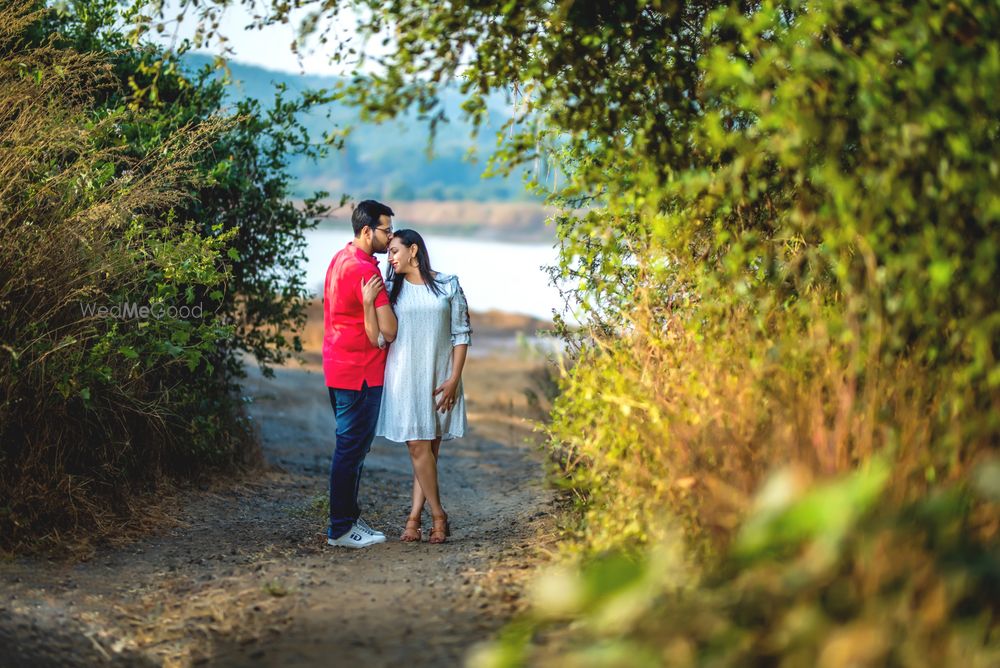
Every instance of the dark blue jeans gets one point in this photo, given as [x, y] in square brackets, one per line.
[357, 413]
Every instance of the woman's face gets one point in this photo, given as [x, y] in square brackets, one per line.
[399, 256]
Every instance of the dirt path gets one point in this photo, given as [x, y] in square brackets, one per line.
[245, 578]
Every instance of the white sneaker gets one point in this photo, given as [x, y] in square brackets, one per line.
[356, 538]
[364, 526]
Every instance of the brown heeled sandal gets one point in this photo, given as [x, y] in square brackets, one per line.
[412, 532]
[439, 533]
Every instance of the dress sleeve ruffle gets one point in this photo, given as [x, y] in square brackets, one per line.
[461, 327]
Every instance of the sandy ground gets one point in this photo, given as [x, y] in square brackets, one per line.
[243, 575]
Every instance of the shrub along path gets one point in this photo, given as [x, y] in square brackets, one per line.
[245, 577]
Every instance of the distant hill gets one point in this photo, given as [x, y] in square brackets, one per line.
[387, 161]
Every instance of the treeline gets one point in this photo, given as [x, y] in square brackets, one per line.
[146, 245]
[390, 160]
[781, 424]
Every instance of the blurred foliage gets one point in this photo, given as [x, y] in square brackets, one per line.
[174, 205]
[780, 229]
[917, 585]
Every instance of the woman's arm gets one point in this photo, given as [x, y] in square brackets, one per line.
[387, 323]
[461, 337]
[371, 325]
[448, 390]
[369, 291]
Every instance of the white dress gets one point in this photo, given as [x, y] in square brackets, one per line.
[419, 360]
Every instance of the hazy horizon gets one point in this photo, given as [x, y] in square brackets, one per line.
[268, 48]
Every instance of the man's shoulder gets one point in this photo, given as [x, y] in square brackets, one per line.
[348, 262]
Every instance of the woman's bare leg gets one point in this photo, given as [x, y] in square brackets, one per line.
[425, 470]
[412, 531]
[418, 499]
[425, 457]
[418, 494]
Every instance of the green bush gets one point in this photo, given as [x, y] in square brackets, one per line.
[819, 270]
[243, 184]
[114, 202]
[817, 577]
[810, 284]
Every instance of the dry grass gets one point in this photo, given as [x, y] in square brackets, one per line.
[669, 426]
[81, 222]
[180, 623]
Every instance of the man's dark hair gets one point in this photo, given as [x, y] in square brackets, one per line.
[367, 213]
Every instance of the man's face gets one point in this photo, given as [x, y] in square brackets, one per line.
[381, 234]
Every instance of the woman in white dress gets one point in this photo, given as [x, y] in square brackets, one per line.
[422, 399]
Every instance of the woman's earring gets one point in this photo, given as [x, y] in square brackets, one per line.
[413, 261]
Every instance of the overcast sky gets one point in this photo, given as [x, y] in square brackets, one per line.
[269, 47]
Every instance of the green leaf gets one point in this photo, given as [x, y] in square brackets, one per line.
[825, 512]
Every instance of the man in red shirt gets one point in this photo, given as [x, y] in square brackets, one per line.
[353, 367]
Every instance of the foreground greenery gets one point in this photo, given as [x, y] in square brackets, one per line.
[169, 204]
[816, 576]
[787, 257]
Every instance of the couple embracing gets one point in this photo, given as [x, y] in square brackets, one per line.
[393, 356]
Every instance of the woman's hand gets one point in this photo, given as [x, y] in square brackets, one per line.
[370, 290]
[448, 391]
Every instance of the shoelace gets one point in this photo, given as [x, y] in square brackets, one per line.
[361, 524]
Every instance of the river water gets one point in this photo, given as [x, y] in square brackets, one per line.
[494, 275]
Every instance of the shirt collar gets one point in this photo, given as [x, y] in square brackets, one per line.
[361, 255]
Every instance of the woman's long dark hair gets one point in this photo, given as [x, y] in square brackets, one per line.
[409, 237]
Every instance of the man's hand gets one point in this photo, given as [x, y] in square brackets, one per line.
[448, 389]
[370, 290]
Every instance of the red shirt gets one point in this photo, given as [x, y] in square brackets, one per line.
[349, 358]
